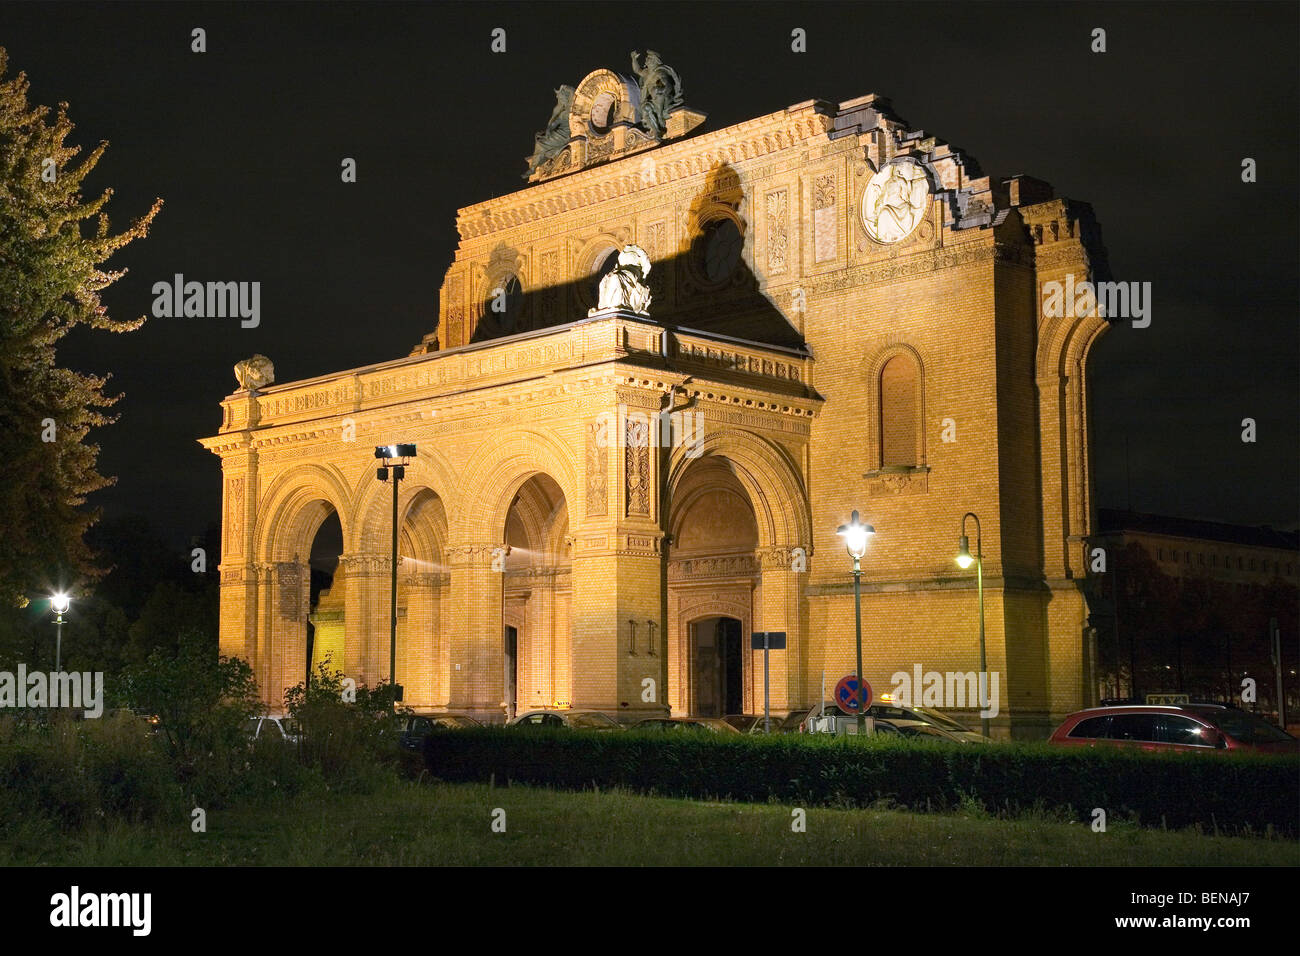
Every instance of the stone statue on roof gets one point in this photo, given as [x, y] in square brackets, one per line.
[550, 141]
[661, 91]
[254, 373]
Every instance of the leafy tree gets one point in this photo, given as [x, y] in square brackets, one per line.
[203, 699]
[51, 277]
[169, 610]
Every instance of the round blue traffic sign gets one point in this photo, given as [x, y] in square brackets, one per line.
[846, 694]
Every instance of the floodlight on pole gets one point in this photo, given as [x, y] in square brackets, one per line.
[856, 535]
[394, 459]
[964, 561]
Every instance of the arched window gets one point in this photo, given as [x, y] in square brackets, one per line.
[900, 412]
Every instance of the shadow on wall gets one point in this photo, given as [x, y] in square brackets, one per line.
[706, 284]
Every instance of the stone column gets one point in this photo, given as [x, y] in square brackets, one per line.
[417, 636]
[239, 611]
[618, 578]
[780, 608]
[546, 644]
[366, 616]
[238, 628]
[442, 646]
[475, 636]
[282, 644]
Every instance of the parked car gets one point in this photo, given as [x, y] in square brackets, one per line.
[789, 723]
[752, 723]
[574, 719]
[1200, 728]
[678, 724]
[916, 730]
[829, 719]
[283, 729]
[413, 728]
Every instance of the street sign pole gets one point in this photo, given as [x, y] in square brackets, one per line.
[767, 641]
[1276, 649]
[767, 689]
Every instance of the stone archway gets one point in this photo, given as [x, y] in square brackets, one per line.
[712, 575]
[296, 505]
[508, 553]
[537, 597]
[740, 533]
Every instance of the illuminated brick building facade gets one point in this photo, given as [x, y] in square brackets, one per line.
[845, 316]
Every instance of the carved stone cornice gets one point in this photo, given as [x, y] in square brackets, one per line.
[358, 564]
[427, 580]
[780, 558]
[673, 162]
[550, 576]
[726, 566]
[922, 263]
[898, 481]
[468, 554]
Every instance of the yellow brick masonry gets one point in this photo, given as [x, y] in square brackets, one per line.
[519, 511]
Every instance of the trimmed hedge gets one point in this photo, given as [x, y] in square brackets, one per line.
[1232, 793]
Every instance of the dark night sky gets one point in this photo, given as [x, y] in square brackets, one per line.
[244, 144]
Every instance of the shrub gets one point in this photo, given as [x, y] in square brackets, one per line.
[203, 699]
[1232, 793]
[348, 737]
[72, 772]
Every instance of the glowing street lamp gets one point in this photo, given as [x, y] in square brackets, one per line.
[964, 561]
[387, 454]
[59, 603]
[856, 535]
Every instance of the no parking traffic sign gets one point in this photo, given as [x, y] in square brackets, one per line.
[846, 694]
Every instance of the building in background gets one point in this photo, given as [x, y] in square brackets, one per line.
[1188, 548]
[1198, 602]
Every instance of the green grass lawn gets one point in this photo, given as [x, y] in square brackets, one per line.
[450, 824]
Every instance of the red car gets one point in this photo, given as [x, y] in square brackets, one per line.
[1181, 727]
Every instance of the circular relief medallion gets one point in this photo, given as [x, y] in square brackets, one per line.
[894, 201]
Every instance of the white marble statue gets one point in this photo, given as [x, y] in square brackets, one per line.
[625, 287]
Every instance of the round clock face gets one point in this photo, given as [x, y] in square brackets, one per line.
[894, 201]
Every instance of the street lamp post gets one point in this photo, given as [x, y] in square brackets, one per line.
[964, 560]
[387, 453]
[856, 535]
[59, 602]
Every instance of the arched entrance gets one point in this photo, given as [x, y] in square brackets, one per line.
[712, 576]
[536, 598]
[296, 508]
[326, 630]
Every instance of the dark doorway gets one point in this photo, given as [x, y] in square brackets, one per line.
[718, 662]
[325, 625]
[512, 670]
